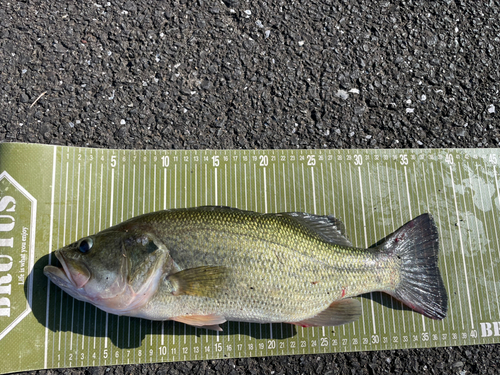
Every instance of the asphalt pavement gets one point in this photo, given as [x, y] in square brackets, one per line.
[234, 74]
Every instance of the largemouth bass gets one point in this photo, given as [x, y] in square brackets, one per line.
[207, 265]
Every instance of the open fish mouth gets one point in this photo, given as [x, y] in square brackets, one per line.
[67, 275]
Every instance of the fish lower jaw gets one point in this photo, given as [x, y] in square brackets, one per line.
[75, 276]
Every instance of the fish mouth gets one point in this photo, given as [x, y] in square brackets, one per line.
[67, 275]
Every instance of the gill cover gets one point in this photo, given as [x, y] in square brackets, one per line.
[115, 270]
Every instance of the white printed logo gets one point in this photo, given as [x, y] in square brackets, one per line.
[17, 252]
[490, 329]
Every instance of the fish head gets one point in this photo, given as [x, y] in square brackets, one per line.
[117, 271]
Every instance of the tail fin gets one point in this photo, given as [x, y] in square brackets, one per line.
[420, 284]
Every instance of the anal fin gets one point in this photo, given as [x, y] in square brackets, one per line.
[202, 321]
[338, 313]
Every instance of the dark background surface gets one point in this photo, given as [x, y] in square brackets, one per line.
[239, 74]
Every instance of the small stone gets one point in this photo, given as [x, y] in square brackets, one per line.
[206, 84]
[342, 94]
[359, 110]
[60, 48]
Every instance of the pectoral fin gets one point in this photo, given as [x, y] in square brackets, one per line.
[202, 321]
[203, 281]
[338, 313]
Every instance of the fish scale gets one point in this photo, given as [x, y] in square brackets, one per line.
[279, 269]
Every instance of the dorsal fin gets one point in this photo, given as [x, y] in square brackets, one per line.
[327, 227]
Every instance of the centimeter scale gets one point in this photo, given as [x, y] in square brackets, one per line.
[51, 196]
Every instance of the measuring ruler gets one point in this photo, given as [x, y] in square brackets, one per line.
[52, 196]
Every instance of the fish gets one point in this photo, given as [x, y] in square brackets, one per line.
[203, 266]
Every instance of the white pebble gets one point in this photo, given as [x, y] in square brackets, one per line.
[354, 91]
[423, 97]
[410, 110]
[342, 94]
[491, 108]
[301, 43]
[122, 122]
[267, 33]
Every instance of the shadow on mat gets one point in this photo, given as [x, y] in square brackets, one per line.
[63, 313]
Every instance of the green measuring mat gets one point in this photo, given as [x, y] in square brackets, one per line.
[51, 196]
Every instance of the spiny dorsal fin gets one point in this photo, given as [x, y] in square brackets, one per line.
[327, 227]
[200, 281]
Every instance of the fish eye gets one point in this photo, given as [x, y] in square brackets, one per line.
[85, 245]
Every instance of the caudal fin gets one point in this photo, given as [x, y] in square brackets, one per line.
[416, 245]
